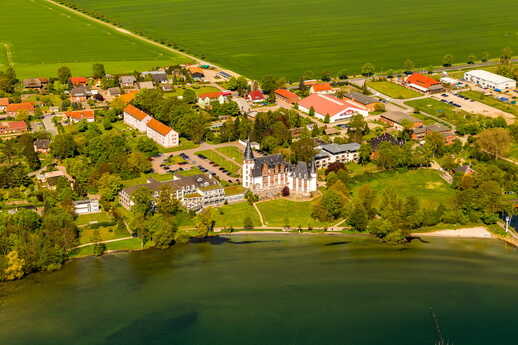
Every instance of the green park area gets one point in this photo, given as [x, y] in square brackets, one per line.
[393, 90]
[221, 161]
[424, 184]
[198, 90]
[282, 212]
[491, 101]
[129, 244]
[300, 36]
[236, 215]
[38, 37]
[232, 152]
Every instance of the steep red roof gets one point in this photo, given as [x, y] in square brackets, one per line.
[326, 104]
[16, 107]
[421, 80]
[288, 95]
[212, 95]
[78, 80]
[4, 102]
[256, 95]
[195, 69]
[135, 112]
[80, 114]
[14, 125]
[159, 127]
[322, 87]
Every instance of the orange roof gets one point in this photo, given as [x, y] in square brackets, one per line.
[287, 94]
[14, 125]
[80, 114]
[4, 102]
[326, 104]
[159, 127]
[135, 112]
[422, 80]
[211, 95]
[322, 87]
[128, 97]
[78, 80]
[195, 69]
[16, 107]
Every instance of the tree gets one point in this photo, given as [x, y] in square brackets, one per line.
[379, 228]
[311, 111]
[333, 203]
[368, 69]
[303, 149]
[63, 146]
[327, 119]
[447, 60]
[163, 230]
[434, 142]
[138, 162]
[166, 203]
[64, 74]
[472, 58]
[484, 56]
[109, 186]
[142, 200]
[409, 65]
[358, 218]
[98, 71]
[495, 141]
[15, 266]
[147, 146]
[204, 223]
[189, 96]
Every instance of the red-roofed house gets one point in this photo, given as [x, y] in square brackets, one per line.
[424, 83]
[79, 81]
[255, 96]
[162, 134]
[16, 108]
[283, 95]
[336, 108]
[205, 99]
[322, 88]
[136, 118]
[13, 127]
[80, 115]
[4, 102]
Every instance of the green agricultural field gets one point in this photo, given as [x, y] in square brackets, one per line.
[288, 38]
[281, 212]
[38, 38]
[235, 214]
[491, 101]
[393, 90]
[425, 184]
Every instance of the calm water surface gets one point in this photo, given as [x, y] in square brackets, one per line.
[273, 289]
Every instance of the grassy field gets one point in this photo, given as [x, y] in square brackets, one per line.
[436, 108]
[93, 217]
[278, 212]
[215, 157]
[424, 184]
[179, 91]
[235, 214]
[491, 101]
[232, 152]
[393, 90]
[291, 37]
[38, 38]
[514, 152]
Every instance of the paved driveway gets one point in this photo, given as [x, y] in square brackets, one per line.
[49, 125]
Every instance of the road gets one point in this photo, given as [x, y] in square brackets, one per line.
[49, 125]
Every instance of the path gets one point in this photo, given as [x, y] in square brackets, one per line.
[107, 241]
[260, 214]
[144, 39]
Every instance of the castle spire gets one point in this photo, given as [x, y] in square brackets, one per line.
[249, 154]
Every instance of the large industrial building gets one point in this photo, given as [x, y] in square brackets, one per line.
[489, 80]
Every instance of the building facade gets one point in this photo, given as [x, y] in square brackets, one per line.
[267, 176]
[162, 134]
[489, 80]
[136, 118]
[332, 153]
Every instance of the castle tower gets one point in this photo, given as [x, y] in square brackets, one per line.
[248, 165]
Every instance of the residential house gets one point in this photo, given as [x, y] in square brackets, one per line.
[41, 145]
[162, 134]
[127, 81]
[80, 115]
[286, 96]
[321, 88]
[400, 120]
[32, 83]
[424, 83]
[255, 96]
[86, 206]
[4, 102]
[14, 109]
[12, 127]
[371, 103]
[447, 133]
[331, 153]
[158, 77]
[194, 192]
[204, 100]
[146, 85]
[136, 118]
[196, 73]
[336, 108]
[78, 81]
[464, 170]
[80, 94]
[114, 92]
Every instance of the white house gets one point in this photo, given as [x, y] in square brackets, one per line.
[488, 80]
[321, 88]
[206, 99]
[336, 108]
[331, 153]
[86, 206]
[161, 133]
[136, 118]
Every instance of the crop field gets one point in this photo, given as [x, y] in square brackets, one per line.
[38, 38]
[288, 38]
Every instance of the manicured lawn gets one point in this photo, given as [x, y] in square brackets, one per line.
[190, 172]
[235, 215]
[105, 233]
[491, 101]
[232, 152]
[439, 109]
[258, 38]
[393, 90]
[215, 157]
[281, 211]
[143, 179]
[57, 37]
[234, 190]
[93, 217]
[514, 152]
[131, 244]
[425, 184]
[185, 144]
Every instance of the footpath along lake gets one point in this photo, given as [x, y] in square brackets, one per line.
[273, 290]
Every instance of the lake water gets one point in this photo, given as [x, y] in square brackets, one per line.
[273, 290]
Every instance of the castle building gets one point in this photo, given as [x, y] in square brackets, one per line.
[267, 176]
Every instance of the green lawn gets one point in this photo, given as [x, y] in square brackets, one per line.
[185, 144]
[278, 212]
[198, 90]
[235, 214]
[38, 37]
[215, 157]
[93, 217]
[144, 177]
[425, 184]
[393, 90]
[491, 101]
[232, 152]
[190, 172]
[87, 235]
[439, 109]
[288, 38]
[514, 152]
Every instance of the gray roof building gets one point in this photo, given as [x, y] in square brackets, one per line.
[361, 98]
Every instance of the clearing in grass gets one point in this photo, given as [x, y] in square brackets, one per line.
[393, 90]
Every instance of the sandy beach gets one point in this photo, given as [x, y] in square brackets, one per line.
[476, 232]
